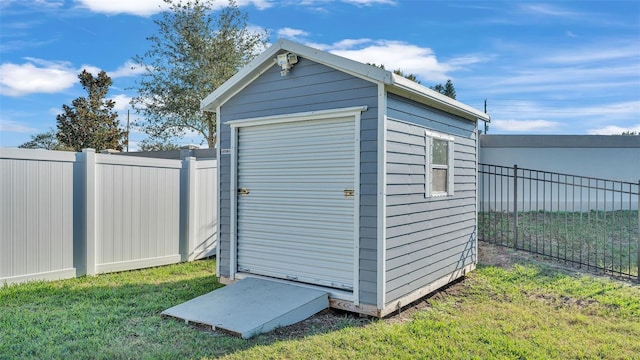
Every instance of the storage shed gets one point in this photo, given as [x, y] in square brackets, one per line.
[343, 176]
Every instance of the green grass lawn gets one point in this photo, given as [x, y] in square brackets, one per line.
[526, 310]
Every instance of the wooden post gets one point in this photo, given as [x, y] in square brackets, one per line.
[638, 260]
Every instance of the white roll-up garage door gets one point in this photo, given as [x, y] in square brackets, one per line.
[295, 202]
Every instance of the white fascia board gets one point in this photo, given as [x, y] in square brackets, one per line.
[435, 99]
[265, 61]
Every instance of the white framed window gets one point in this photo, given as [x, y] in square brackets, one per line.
[439, 164]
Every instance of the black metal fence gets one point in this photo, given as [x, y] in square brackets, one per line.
[589, 222]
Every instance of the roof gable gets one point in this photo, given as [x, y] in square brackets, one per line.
[392, 82]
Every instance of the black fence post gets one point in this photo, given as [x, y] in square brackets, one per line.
[515, 206]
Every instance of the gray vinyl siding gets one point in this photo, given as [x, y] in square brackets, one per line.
[309, 87]
[427, 238]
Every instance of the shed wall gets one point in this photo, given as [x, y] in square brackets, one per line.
[309, 86]
[598, 156]
[427, 238]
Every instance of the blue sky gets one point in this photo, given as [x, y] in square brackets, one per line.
[561, 67]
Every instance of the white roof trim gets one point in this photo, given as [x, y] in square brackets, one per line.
[438, 100]
[371, 73]
[265, 60]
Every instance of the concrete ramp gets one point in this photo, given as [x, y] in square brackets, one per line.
[252, 306]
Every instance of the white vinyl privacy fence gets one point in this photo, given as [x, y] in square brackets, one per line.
[67, 214]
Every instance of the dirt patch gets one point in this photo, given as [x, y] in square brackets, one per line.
[562, 301]
[489, 254]
[325, 321]
[332, 319]
[506, 257]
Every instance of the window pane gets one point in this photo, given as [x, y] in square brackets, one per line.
[439, 180]
[439, 152]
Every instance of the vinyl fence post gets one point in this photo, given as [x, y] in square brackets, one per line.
[189, 165]
[515, 206]
[90, 210]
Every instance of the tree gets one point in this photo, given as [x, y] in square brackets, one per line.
[155, 145]
[438, 88]
[192, 55]
[447, 89]
[46, 140]
[411, 77]
[91, 122]
[630, 133]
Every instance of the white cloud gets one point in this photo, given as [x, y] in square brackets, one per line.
[36, 76]
[549, 10]
[16, 127]
[597, 73]
[626, 108]
[513, 116]
[55, 111]
[129, 68]
[43, 76]
[614, 130]
[134, 7]
[290, 33]
[42, 4]
[151, 7]
[93, 70]
[412, 59]
[469, 59]
[525, 125]
[349, 43]
[592, 54]
[259, 4]
[122, 102]
[314, 3]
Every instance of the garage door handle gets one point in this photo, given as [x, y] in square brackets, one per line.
[349, 193]
[243, 191]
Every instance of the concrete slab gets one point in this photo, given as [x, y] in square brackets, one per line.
[252, 306]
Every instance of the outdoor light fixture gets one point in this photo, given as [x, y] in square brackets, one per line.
[286, 61]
